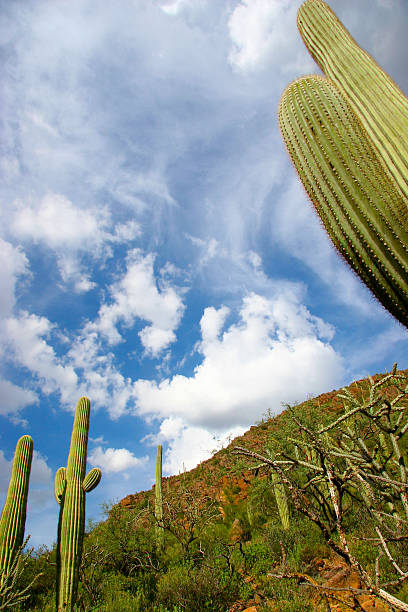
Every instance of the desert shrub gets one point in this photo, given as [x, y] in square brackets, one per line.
[258, 557]
[202, 588]
[301, 543]
[287, 596]
[127, 594]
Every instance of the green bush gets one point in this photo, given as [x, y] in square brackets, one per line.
[258, 557]
[287, 596]
[202, 588]
[126, 594]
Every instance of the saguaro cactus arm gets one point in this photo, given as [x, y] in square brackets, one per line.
[60, 483]
[13, 516]
[92, 479]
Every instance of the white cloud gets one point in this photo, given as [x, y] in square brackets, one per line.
[155, 339]
[71, 232]
[14, 399]
[188, 445]
[276, 352]
[13, 263]
[212, 323]
[263, 32]
[114, 460]
[137, 295]
[25, 336]
[58, 223]
[101, 380]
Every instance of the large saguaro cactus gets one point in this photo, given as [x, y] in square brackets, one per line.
[343, 145]
[13, 516]
[379, 104]
[71, 484]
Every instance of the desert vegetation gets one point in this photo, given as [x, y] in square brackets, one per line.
[225, 540]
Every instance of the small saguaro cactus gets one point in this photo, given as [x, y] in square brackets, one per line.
[13, 516]
[341, 141]
[281, 500]
[71, 484]
[158, 506]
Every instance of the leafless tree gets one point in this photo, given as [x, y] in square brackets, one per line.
[354, 462]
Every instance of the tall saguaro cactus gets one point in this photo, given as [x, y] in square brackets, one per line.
[71, 484]
[13, 516]
[158, 506]
[343, 145]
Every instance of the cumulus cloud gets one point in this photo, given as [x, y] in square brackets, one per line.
[187, 446]
[137, 295]
[26, 336]
[14, 399]
[57, 223]
[114, 460]
[277, 351]
[263, 32]
[212, 323]
[70, 231]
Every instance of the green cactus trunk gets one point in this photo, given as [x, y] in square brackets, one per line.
[71, 484]
[347, 136]
[281, 500]
[377, 101]
[350, 187]
[158, 507]
[13, 516]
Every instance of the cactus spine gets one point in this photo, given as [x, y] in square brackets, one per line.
[158, 507]
[353, 189]
[281, 500]
[13, 516]
[71, 484]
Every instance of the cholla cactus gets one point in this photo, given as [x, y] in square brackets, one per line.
[340, 142]
[71, 484]
[13, 516]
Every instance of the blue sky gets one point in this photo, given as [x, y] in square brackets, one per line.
[157, 252]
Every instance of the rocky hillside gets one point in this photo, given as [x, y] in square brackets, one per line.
[226, 472]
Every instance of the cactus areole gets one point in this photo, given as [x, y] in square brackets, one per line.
[71, 484]
[13, 516]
